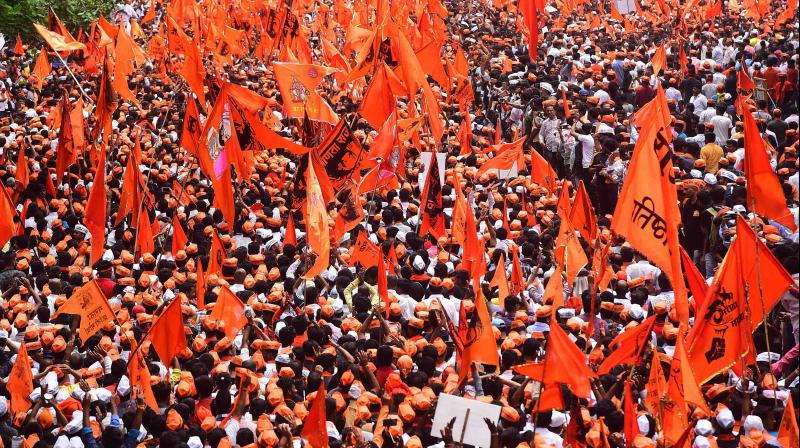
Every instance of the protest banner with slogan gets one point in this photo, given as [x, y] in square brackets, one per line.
[469, 427]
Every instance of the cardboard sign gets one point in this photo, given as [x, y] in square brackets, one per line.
[469, 427]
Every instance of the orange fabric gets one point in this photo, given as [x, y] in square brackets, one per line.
[481, 346]
[541, 171]
[179, 239]
[298, 83]
[631, 344]
[144, 232]
[656, 387]
[788, 431]
[764, 192]
[167, 334]
[18, 49]
[316, 218]
[123, 66]
[150, 15]
[430, 60]
[20, 382]
[697, 284]
[431, 206]
[505, 157]
[223, 187]
[721, 334]
[383, 284]
[95, 219]
[630, 411]
[106, 102]
[193, 71]
[517, 280]
[91, 304]
[566, 363]
[140, 377]
[682, 389]
[65, 153]
[200, 288]
[58, 42]
[554, 290]
[378, 102]
[315, 427]
[217, 254]
[550, 398]
[531, 11]
[647, 213]
[582, 214]
[659, 60]
[364, 251]
[569, 252]
[458, 226]
[500, 280]
[22, 173]
[42, 68]
[230, 310]
[291, 234]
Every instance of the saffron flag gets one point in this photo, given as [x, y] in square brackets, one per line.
[500, 280]
[432, 208]
[65, 154]
[630, 410]
[42, 68]
[631, 344]
[318, 231]
[531, 10]
[697, 284]
[56, 41]
[721, 335]
[383, 284]
[139, 377]
[764, 193]
[364, 251]
[95, 219]
[656, 387]
[339, 154]
[21, 172]
[167, 334]
[647, 213]
[477, 339]
[179, 239]
[682, 389]
[541, 171]
[787, 431]
[230, 310]
[582, 216]
[298, 84]
[378, 102]
[506, 155]
[20, 382]
[315, 426]
[659, 60]
[91, 305]
[193, 71]
[569, 252]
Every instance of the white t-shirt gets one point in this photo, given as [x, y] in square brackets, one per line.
[588, 149]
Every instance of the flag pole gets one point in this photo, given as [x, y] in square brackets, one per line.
[80, 87]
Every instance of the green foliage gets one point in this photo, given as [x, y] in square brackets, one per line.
[18, 16]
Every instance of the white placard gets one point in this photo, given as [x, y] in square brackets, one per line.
[474, 432]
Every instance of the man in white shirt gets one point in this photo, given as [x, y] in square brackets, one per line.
[722, 126]
[699, 101]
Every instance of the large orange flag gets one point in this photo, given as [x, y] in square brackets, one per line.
[541, 171]
[315, 426]
[56, 41]
[430, 59]
[316, 217]
[500, 280]
[42, 68]
[8, 211]
[582, 214]
[478, 341]
[788, 431]
[193, 71]
[564, 363]
[378, 102]
[167, 333]
[656, 387]
[65, 153]
[298, 84]
[631, 344]
[432, 209]
[217, 254]
[91, 305]
[107, 101]
[506, 155]
[531, 11]
[764, 192]
[230, 310]
[20, 382]
[568, 251]
[144, 232]
[647, 212]
[659, 60]
[682, 389]
[364, 251]
[124, 56]
[140, 377]
[95, 219]
[749, 282]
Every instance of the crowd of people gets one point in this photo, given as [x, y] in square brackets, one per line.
[360, 352]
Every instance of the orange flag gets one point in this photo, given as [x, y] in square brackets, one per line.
[744, 285]
[458, 226]
[743, 80]
[564, 363]
[217, 254]
[140, 377]
[167, 333]
[478, 341]
[193, 71]
[56, 41]
[200, 288]
[150, 15]
[788, 431]
[378, 102]
[541, 171]
[107, 101]
[630, 408]
[18, 48]
[95, 219]
[697, 284]
[682, 389]
[631, 344]
[647, 213]
[65, 153]
[91, 304]
[42, 68]
[554, 290]
[656, 387]
[383, 284]
[531, 11]
[764, 192]
[230, 310]
[179, 239]
[22, 173]
[517, 281]
[430, 59]
[316, 217]
[192, 129]
[144, 232]
[224, 198]
[505, 156]
[291, 235]
[298, 84]
[500, 280]
[659, 60]
[432, 208]
[582, 215]
[315, 426]
[364, 251]
[20, 382]
[124, 56]
[569, 252]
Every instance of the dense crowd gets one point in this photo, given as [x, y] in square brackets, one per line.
[384, 336]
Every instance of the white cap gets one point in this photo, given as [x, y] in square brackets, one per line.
[769, 357]
[558, 419]
[703, 428]
[696, 174]
[710, 179]
[725, 418]
[753, 422]
[701, 442]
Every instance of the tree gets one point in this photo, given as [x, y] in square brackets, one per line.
[17, 16]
